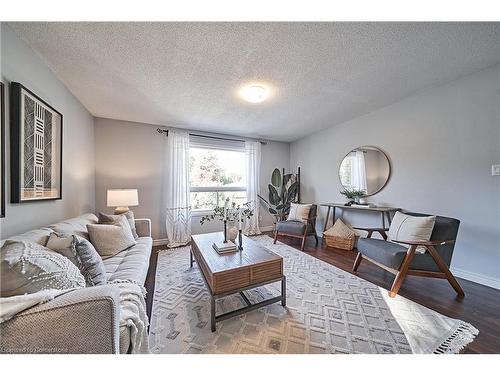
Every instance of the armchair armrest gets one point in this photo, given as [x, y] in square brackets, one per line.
[143, 227]
[85, 320]
[425, 243]
[372, 229]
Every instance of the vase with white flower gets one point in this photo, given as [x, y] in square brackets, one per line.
[232, 215]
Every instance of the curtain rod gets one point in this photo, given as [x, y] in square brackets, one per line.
[165, 131]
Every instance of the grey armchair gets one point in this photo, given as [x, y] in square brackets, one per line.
[298, 229]
[402, 260]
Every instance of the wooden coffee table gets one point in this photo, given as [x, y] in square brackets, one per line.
[236, 272]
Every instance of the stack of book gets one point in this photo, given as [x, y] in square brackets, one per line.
[224, 247]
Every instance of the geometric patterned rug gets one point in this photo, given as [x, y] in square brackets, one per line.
[328, 311]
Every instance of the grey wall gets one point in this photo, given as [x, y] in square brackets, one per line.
[131, 155]
[441, 143]
[19, 63]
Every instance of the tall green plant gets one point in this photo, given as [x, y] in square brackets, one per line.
[282, 192]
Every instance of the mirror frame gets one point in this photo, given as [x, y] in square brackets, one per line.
[383, 153]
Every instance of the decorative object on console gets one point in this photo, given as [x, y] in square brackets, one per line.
[121, 199]
[2, 151]
[353, 196]
[395, 256]
[366, 169]
[341, 236]
[36, 147]
[283, 190]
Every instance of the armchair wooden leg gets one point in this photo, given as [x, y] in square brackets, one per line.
[403, 270]
[357, 262]
[444, 268]
[275, 236]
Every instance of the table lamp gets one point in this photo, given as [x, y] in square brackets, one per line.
[122, 198]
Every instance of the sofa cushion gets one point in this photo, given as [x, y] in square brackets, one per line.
[28, 267]
[109, 240]
[111, 219]
[392, 254]
[411, 228]
[291, 227]
[131, 264]
[82, 254]
[299, 212]
[76, 225]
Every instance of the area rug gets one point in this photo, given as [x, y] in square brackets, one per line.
[328, 311]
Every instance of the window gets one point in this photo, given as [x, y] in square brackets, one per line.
[214, 175]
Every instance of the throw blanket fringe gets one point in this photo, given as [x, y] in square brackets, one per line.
[133, 314]
[458, 340]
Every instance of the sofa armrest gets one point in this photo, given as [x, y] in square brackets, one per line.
[85, 320]
[143, 227]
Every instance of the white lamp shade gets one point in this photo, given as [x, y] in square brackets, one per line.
[123, 197]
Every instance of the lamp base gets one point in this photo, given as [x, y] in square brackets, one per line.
[121, 210]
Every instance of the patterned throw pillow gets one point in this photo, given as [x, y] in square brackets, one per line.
[27, 267]
[111, 219]
[109, 240]
[82, 254]
[299, 212]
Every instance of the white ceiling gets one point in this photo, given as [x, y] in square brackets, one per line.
[187, 74]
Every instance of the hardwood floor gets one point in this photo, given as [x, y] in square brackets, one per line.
[480, 307]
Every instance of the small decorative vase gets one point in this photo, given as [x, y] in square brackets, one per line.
[362, 200]
[232, 233]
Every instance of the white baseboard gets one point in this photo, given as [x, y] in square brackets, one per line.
[475, 277]
[269, 228]
[160, 242]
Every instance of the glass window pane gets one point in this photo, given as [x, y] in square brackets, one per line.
[238, 197]
[211, 168]
[203, 201]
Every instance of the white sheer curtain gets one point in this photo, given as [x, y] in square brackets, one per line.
[252, 157]
[178, 207]
[359, 171]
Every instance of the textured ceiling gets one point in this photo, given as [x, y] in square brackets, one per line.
[188, 74]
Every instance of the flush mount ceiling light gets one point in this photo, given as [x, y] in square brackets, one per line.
[254, 93]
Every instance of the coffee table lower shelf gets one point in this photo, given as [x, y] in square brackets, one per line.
[249, 305]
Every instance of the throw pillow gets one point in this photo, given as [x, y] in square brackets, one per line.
[111, 219]
[27, 267]
[82, 254]
[110, 239]
[299, 212]
[411, 228]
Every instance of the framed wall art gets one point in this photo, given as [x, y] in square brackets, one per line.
[36, 147]
[2, 150]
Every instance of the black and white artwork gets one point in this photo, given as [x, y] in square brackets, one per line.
[2, 150]
[36, 147]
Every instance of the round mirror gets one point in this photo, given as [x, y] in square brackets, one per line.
[365, 168]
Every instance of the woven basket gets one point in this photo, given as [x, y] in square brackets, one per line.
[340, 242]
[341, 236]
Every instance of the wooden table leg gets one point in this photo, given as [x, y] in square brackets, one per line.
[283, 291]
[212, 313]
[326, 220]
[389, 218]
[383, 220]
[191, 258]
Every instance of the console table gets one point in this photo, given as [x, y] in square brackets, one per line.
[384, 211]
